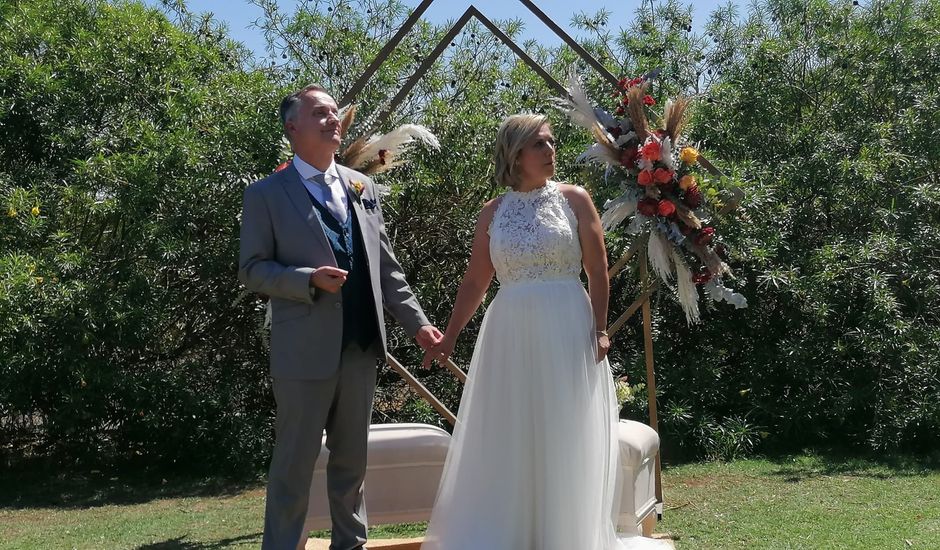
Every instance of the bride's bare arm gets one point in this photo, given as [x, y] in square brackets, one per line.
[594, 259]
[473, 288]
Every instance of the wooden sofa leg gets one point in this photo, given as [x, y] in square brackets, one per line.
[649, 523]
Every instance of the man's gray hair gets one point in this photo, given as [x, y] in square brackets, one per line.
[290, 104]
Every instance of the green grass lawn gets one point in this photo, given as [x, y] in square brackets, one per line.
[803, 502]
[807, 501]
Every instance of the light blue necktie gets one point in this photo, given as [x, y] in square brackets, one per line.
[332, 196]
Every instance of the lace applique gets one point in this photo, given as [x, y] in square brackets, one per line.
[534, 237]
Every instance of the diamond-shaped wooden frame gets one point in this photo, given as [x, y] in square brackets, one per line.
[472, 12]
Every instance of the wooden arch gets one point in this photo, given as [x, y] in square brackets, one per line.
[638, 246]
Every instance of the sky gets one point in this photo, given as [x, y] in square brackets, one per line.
[239, 15]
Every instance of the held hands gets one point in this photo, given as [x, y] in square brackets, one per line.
[428, 336]
[328, 278]
[441, 351]
[603, 345]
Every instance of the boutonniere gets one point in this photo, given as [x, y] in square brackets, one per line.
[358, 187]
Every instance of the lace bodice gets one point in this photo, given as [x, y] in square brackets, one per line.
[534, 236]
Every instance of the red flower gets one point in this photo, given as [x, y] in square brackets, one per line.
[648, 100]
[666, 208]
[628, 157]
[693, 197]
[636, 81]
[705, 236]
[625, 101]
[701, 278]
[645, 177]
[623, 84]
[619, 111]
[648, 207]
[662, 175]
[282, 166]
[652, 151]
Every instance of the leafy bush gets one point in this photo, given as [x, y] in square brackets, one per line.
[126, 143]
[815, 108]
[126, 140]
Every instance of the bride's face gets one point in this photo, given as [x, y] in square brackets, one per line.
[536, 161]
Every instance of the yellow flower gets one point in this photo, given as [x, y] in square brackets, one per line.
[687, 181]
[357, 185]
[39, 280]
[689, 155]
[35, 211]
[12, 212]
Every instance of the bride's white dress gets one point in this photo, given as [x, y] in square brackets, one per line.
[534, 455]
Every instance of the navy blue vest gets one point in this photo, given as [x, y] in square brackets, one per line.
[359, 322]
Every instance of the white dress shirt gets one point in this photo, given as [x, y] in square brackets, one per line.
[308, 171]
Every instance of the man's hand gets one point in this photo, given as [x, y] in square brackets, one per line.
[428, 336]
[328, 278]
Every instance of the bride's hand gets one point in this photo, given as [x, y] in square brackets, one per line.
[440, 352]
[603, 346]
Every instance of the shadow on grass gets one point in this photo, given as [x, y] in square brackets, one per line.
[814, 463]
[807, 464]
[43, 485]
[182, 544]
[811, 464]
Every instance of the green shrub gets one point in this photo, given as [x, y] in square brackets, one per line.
[123, 332]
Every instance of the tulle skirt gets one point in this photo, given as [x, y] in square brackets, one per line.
[533, 460]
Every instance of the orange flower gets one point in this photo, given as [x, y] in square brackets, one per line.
[661, 175]
[651, 151]
[688, 155]
[687, 181]
[645, 177]
[665, 208]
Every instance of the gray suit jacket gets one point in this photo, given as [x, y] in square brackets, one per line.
[282, 242]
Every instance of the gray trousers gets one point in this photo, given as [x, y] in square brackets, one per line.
[342, 405]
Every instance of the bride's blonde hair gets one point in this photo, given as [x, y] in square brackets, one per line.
[512, 136]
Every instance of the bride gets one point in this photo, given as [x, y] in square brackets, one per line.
[534, 456]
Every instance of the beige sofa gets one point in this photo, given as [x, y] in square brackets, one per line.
[406, 461]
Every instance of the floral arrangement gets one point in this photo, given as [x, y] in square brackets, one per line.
[657, 173]
[372, 154]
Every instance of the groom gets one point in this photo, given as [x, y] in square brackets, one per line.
[313, 239]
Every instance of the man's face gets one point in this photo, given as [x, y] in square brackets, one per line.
[316, 124]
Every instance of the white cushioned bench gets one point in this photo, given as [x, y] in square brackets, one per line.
[406, 462]
[639, 445]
